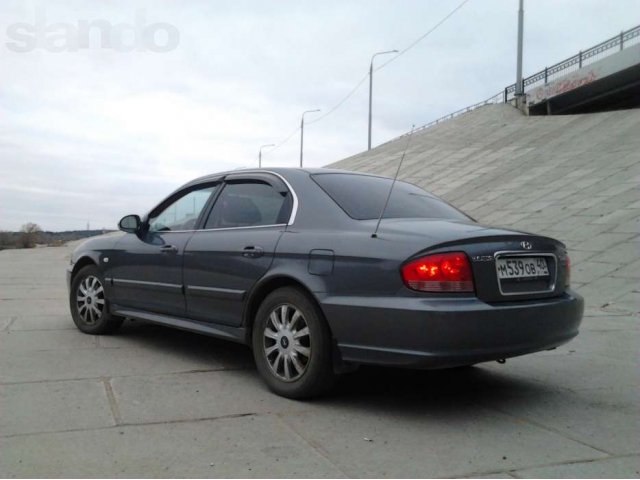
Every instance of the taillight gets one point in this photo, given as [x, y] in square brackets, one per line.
[442, 272]
[567, 271]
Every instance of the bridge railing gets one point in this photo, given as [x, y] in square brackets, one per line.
[497, 98]
[614, 44]
[610, 46]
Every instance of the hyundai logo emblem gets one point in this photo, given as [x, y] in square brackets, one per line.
[526, 245]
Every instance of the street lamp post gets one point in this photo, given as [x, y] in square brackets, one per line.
[371, 89]
[519, 86]
[260, 153]
[302, 132]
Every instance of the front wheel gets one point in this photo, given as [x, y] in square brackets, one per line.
[89, 304]
[292, 345]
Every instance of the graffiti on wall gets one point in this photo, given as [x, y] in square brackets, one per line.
[561, 86]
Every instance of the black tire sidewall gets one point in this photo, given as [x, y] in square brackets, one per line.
[106, 321]
[319, 373]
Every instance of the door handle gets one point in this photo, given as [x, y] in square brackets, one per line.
[253, 252]
[168, 249]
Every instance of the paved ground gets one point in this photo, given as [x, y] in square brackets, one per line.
[156, 402]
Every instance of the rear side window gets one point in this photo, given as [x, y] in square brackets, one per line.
[249, 204]
[362, 197]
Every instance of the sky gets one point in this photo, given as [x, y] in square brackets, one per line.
[108, 106]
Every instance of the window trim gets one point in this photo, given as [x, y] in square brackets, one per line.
[211, 202]
[177, 196]
[234, 180]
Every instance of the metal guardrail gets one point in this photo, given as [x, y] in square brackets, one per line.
[581, 59]
[497, 98]
[619, 42]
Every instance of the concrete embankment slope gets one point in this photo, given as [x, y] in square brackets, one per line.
[573, 177]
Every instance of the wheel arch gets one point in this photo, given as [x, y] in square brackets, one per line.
[263, 289]
[81, 263]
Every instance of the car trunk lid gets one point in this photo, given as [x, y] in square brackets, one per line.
[507, 265]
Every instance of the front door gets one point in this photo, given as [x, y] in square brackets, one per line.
[147, 269]
[235, 248]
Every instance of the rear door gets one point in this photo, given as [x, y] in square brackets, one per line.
[235, 247]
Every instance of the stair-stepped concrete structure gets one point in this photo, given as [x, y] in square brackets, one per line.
[573, 177]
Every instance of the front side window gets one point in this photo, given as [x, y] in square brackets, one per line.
[183, 213]
[249, 204]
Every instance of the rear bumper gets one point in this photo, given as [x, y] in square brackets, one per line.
[446, 332]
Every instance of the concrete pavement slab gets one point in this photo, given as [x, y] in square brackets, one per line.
[601, 418]
[43, 322]
[573, 371]
[20, 307]
[629, 301]
[54, 406]
[618, 344]
[161, 398]
[491, 475]
[250, 446]
[603, 241]
[631, 225]
[592, 270]
[603, 320]
[30, 366]
[631, 271]
[23, 341]
[5, 322]
[602, 291]
[434, 440]
[622, 467]
[16, 292]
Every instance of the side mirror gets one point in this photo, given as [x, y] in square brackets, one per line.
[130, 224]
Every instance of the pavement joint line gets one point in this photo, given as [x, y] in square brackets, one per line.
[514, 472]
[26, 298]
[111, 399]
[65, 329]
[43, 329]
[92, 347]
[9, 323]
[99, 378]
[133, 424]
[312, 445]
[547, 428]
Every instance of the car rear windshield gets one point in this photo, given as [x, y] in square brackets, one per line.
[362, 197]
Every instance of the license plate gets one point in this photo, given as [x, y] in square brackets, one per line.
[522, 267]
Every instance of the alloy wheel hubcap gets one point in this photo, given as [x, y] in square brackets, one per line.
[90, 300]
[287, 343]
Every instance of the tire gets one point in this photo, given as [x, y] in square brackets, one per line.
[89, 304]
[302, 340]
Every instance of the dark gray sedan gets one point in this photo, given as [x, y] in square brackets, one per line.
[292, 263]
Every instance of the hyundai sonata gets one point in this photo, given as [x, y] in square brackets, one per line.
[320, 270]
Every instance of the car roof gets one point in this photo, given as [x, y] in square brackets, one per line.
[283, 171]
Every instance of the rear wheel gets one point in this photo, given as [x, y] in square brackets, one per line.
[292, 345]
[89, 304]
